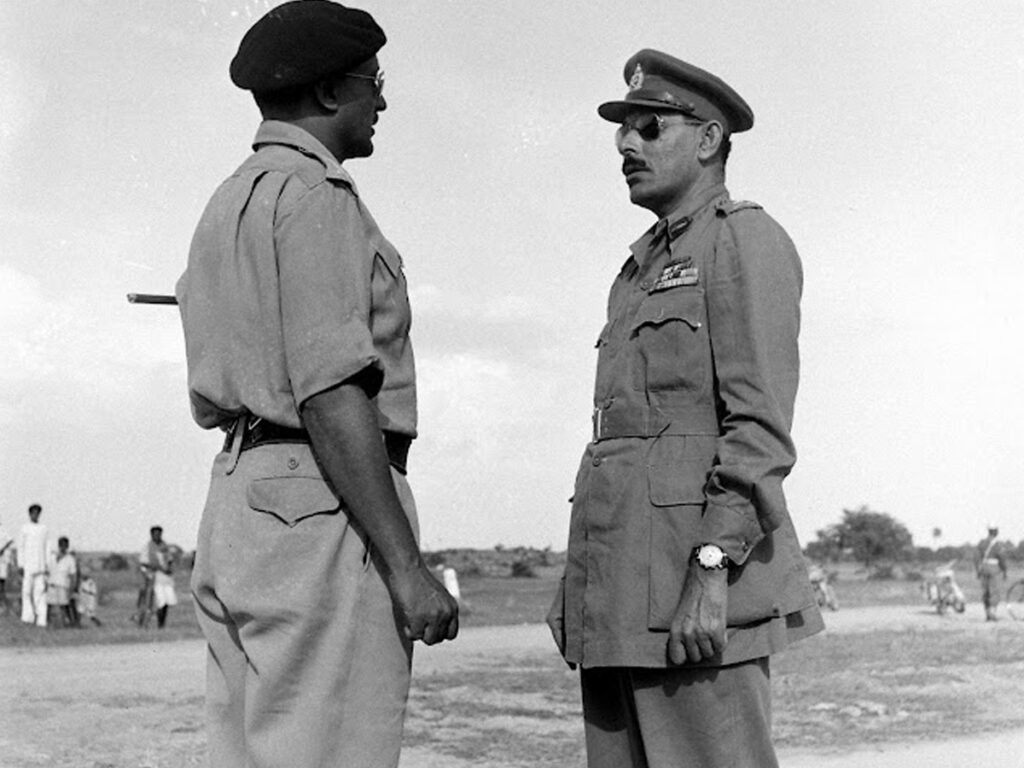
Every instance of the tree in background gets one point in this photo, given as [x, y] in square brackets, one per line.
[828, 547]
[866, 535]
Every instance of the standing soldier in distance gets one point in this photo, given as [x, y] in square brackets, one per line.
[309, 582]
[683, 573]
[989, 562]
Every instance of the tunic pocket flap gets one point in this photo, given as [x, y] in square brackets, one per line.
[658, 312]
[292, 499]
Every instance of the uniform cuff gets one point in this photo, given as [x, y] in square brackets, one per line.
[735, 529]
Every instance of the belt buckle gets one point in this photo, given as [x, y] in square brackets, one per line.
[598, 420]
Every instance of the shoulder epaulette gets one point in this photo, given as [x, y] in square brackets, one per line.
[725, 207]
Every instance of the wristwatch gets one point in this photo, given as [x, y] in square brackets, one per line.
[710, 557]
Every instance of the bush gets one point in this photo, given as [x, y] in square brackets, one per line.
[523, 569]
[115, 561]
[883, 573]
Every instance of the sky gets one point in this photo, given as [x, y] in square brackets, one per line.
[887, 142]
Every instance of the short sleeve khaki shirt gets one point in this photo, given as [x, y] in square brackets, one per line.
[292, 289]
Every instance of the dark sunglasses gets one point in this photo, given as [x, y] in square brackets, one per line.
[648, 126]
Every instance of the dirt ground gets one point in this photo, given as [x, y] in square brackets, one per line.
[140, 705]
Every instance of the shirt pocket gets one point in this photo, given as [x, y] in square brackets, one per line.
[390, 311]
[670, 342]
[292, 499]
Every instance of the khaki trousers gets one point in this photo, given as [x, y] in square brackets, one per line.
[307, 666]
[675, 718]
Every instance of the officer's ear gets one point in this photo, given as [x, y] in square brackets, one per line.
[326, 93]
[711, 137]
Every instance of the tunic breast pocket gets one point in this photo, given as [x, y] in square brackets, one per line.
[669, 335]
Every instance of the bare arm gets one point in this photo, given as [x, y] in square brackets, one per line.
[346, 438]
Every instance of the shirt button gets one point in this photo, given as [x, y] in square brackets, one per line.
[293, 463]
[597, 461]
[645, 285]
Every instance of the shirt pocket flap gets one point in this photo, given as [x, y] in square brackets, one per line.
[681, 307]
[292, 499]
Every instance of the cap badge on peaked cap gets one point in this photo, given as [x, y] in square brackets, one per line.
[658, 81]
[636, 82]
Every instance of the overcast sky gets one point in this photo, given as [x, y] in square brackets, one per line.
[887, 142]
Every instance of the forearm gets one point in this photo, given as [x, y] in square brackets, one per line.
[346, 440]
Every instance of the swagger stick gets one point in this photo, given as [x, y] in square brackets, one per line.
[151, 298]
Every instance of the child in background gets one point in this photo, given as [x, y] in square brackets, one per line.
[88, 598]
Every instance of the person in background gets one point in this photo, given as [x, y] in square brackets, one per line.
[88, 597]
[34, 551]
[684, 573]
[989, 562]
[156, 562]
[6, 550]
[64, 583]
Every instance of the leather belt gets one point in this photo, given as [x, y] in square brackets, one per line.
[262, 432]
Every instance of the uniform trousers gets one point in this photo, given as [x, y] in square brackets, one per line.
[33, 599]
[307, 665]
[713, 717]
[989, 591]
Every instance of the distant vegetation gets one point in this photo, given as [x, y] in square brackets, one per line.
[517, 562]
[885, 548]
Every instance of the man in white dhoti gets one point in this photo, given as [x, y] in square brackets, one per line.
[34, 555]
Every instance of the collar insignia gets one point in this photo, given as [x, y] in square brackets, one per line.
[636, 82]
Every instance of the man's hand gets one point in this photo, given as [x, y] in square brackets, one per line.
[697, 631]
[344, 430]
[430, 613]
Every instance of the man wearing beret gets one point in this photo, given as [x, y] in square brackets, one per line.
[684, 573]
[309, 583]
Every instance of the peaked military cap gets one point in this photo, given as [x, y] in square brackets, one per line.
[301, 41]
[659, 81]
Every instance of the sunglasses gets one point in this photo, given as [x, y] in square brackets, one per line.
[378, 79]
[648, 126]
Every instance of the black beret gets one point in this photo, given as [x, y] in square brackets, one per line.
[301, 41]
[659, 81]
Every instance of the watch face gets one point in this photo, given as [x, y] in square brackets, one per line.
[710, 556]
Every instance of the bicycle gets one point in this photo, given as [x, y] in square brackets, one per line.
[1015, 600]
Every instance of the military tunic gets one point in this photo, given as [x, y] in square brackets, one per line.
[696, 379]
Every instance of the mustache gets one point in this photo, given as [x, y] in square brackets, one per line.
[628, 166]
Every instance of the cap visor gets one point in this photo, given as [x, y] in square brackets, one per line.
[616, 111]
